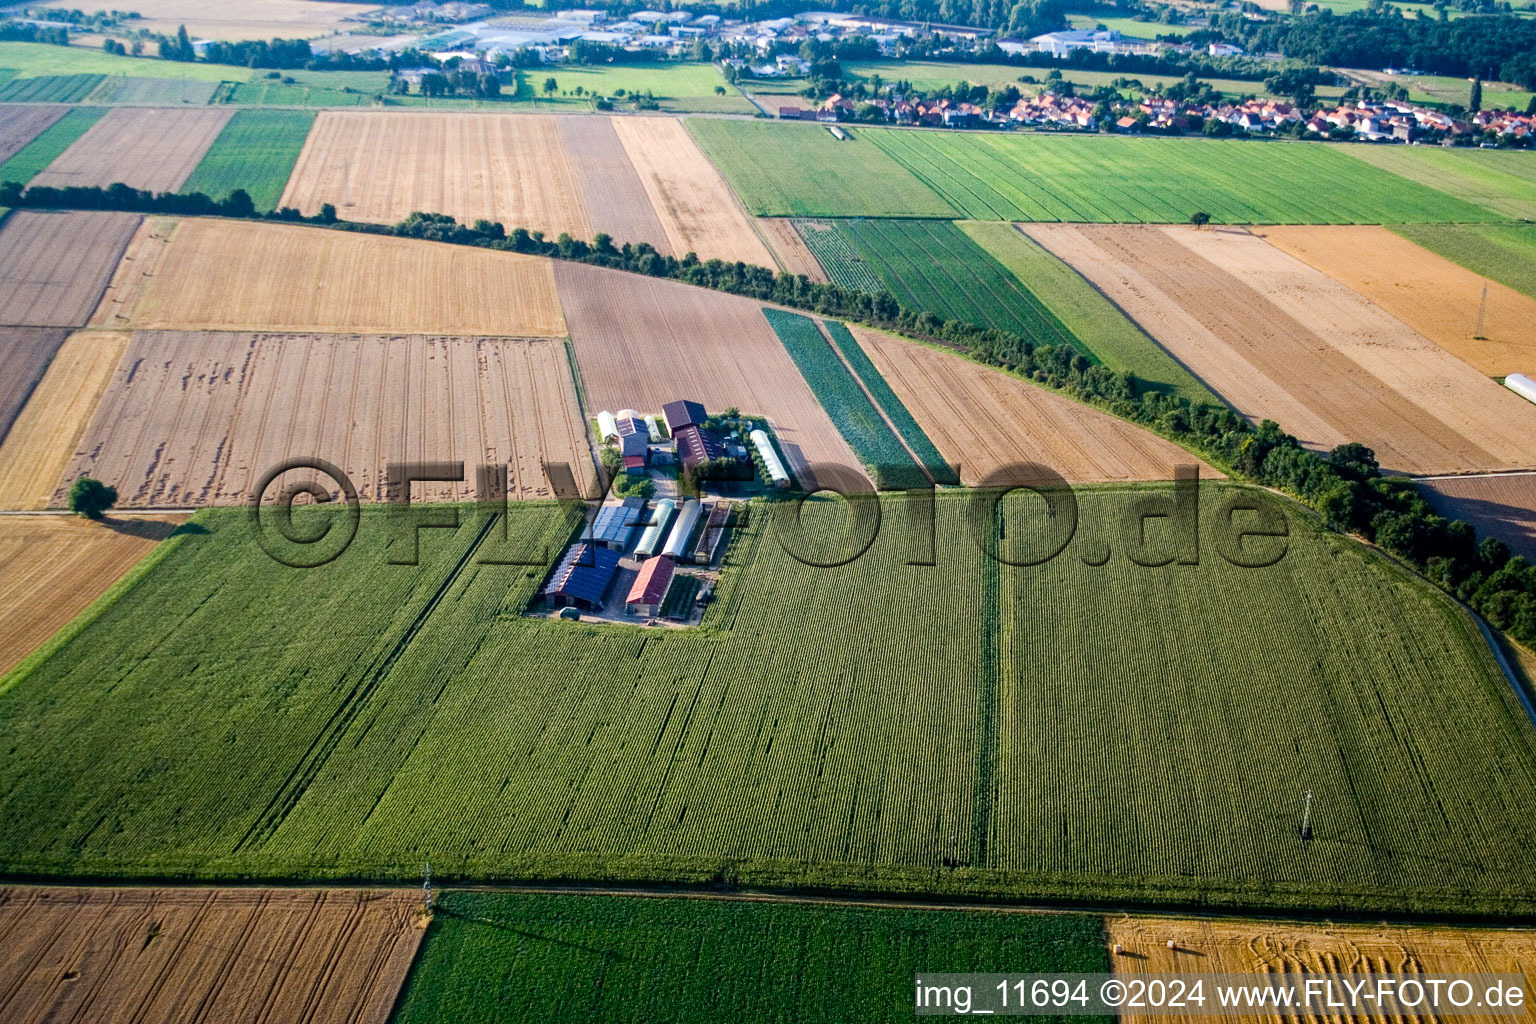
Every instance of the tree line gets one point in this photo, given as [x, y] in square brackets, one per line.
[1344, 486]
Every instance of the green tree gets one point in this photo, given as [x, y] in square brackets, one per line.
[1199, 219]
[550, 86]
[1475, 98]
[90, 497]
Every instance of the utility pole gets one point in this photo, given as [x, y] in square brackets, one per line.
[1482, 309]
[1306, 819]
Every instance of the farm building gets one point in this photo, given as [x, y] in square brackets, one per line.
[582, 578]
[771, 461]
[634, 465]
[650, 587]
[615, 524]
[607, 427]
[651, 539]
[634, 439]
[683, 413]
[714, 529]
[696, 445]
[687, 519]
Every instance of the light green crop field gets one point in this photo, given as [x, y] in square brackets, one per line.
[1502, 252]
[274, 93]
[949, 728]
[929, 75]
[1501, 181]
[50, 89]
[504, 958]
[30, 160]
[256, 151]
[33, 59]
[932, 265]
[1129, 27]
[1443, 89]
[799, 170]
[156, 91]
[676, 86]
[1096, 323]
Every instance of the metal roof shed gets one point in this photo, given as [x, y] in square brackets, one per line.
[615, 524]
[650, 587]
[683, 413]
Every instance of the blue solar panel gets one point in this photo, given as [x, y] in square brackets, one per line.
[584, 573]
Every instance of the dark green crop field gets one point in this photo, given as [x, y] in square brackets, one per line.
[512, 957]
[1113, 731]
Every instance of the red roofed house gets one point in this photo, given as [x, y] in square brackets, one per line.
[650, 587]
[634, 465]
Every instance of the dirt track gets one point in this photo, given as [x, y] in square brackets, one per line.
[196, 956]
[152, 148]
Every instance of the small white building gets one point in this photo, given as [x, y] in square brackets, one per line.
[771, 461]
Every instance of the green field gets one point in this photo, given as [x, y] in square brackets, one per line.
[676, 86]
[512, 957]
[907, 427]
[41, 151]
[35, 59]
[960, 727]
[1118, 179]
[264, 93]
[1445, 89]
[926, 76]
[256, 151]
[1501, 181]
[157, 91]
[932, 265]
[1129, 27]
[855, 416]
[50, 89]
[1503, 252]
[800, 170]
[1096, 323]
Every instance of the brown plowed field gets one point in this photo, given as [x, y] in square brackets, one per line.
[200, 956]
[54, 266]
[1279, 340]
[986, 420]
[1215, 946]
[641, 343]
[1429, 293]
[697, 208]
[1502, 505]
[24, 355]
[611, 191]
[44, 435]
[794, 254]
[233, 276]
[51, 568]
[380, 167]
[20, 123]
[151, 147]
[196, 418]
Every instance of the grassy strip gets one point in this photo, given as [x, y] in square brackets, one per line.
[845, 402]
[512, 957]
[43, 150]
[1095, 323]
[1505, 253]
[256, 151]
[890, 403]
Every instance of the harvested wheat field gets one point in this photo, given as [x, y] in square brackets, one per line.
[985, 420]
[154, 148]
[54, 266]
[380, 167]
[641, 343]
[248, 19]
[1214, 946]
[211, 956]
[614, 197]
[1501, 505]
[51, 568]
[697, 208]
[794, 255]
[133, 274]
[20, 123]
[44, 435]
[1429, 293]
[24, 354]
[196, 418]
[1280, 340]
[233, 276]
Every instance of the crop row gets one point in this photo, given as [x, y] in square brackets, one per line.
[50, 89]
[843, 265]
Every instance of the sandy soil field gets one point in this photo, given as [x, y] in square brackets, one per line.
[511, 168]
[641, 343]
[133, 274]
[1280, 340]
[24, 355]
[178, 956]
[1502, 505]
[794, 254]
[144, 147]
[197, 418]
[20, 123]
[986, 420]
[224, 275]
[248, 19]
[614, 197]
[43, 438]
[54, 266]
[1243, 947]
[1429, 293]
[51, 568]
[697, 208]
